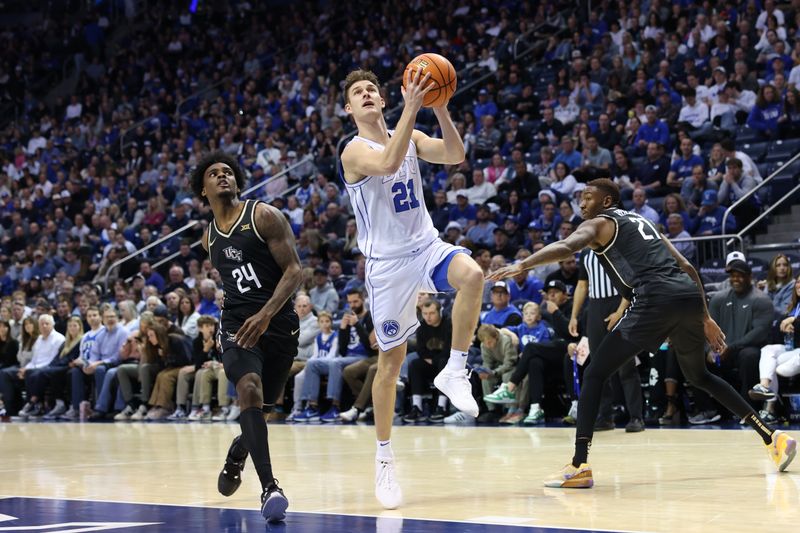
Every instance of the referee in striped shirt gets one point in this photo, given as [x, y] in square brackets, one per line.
[604, 310]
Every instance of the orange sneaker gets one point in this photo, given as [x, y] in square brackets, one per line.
[782, 449]
[570, 477]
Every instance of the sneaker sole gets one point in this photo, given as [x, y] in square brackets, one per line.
[583, 480]
[506, 401]
[274, 508]
[706, 421]
[788, 454]
[760, 396]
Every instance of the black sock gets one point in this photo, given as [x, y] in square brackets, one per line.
[254, 435]
[763, 430]
[582, 445]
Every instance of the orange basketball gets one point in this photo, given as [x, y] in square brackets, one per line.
[443, 76]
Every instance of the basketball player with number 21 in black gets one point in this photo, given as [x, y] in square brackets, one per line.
[252, 246]
[667, 300]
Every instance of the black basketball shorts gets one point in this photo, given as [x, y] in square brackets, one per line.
[271, 357]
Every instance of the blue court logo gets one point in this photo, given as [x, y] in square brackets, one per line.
[391, 328]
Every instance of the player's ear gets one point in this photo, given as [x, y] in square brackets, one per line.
[348, 108]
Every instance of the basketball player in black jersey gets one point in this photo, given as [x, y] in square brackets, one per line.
[667, 300]
[252, 246]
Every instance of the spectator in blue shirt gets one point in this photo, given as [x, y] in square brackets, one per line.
[502, 313]
[568, 155]
[485, 106]
[482, 233]
[653, 130]
[41, 267]
[764, 116]
[525, 286]
[681, 169]
[151, 277]
[463, 212]
[208, 305]
[533, 328]
[440, 214]
[709, 218]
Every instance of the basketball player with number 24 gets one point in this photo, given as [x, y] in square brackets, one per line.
[403, 249]
[252, 246]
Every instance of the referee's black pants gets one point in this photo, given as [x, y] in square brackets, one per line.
[537, 358]
[627, 375]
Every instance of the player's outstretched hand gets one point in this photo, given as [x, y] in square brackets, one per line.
[714, 334]
[505, 272]
[415, 88]
[252, 329]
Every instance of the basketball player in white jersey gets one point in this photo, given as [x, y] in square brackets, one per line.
[403, 249]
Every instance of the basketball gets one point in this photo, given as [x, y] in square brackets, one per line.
[443, 75]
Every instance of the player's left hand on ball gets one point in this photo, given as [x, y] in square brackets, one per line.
[714, 334]
[252, 329]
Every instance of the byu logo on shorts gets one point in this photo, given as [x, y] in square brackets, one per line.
[391, 328]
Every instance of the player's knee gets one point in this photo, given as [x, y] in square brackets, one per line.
[471, 279]
[249, 390]
[389, 367]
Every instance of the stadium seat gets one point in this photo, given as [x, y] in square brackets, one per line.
[755, 150]
[713, 271]
[745, 135]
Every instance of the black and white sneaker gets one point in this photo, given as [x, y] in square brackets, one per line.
[414, 416]
[231, 476]
[274, 503]
[761, 393]
[437, 417]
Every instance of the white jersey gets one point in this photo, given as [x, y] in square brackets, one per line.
[390, 211]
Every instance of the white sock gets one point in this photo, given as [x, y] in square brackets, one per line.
[575, 403]
[416, 401]
[384, 450]
[534, 408]
[443, 401]
[457, 361]
[206, 407]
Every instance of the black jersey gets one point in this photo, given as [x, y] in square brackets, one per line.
[249, 272]
[639, 264]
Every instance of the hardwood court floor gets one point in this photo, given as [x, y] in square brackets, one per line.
[659, 480]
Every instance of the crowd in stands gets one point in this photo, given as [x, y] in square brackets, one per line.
[681, 104]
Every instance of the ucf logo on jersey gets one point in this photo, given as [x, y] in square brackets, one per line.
[233, 254]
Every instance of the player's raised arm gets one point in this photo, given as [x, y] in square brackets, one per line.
[360, 160]
[586, 234]
[275, 230]
[449, 150]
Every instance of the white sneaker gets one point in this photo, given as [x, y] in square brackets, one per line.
[363, 415]
[350, 415]
[233, 414]
[456, 386]
[222, 415]
[293, 414]
[194, 416]
[140, 413]
[387, 490]
[26, 410]
[179, 414]
[125, 414]
[459, 419]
